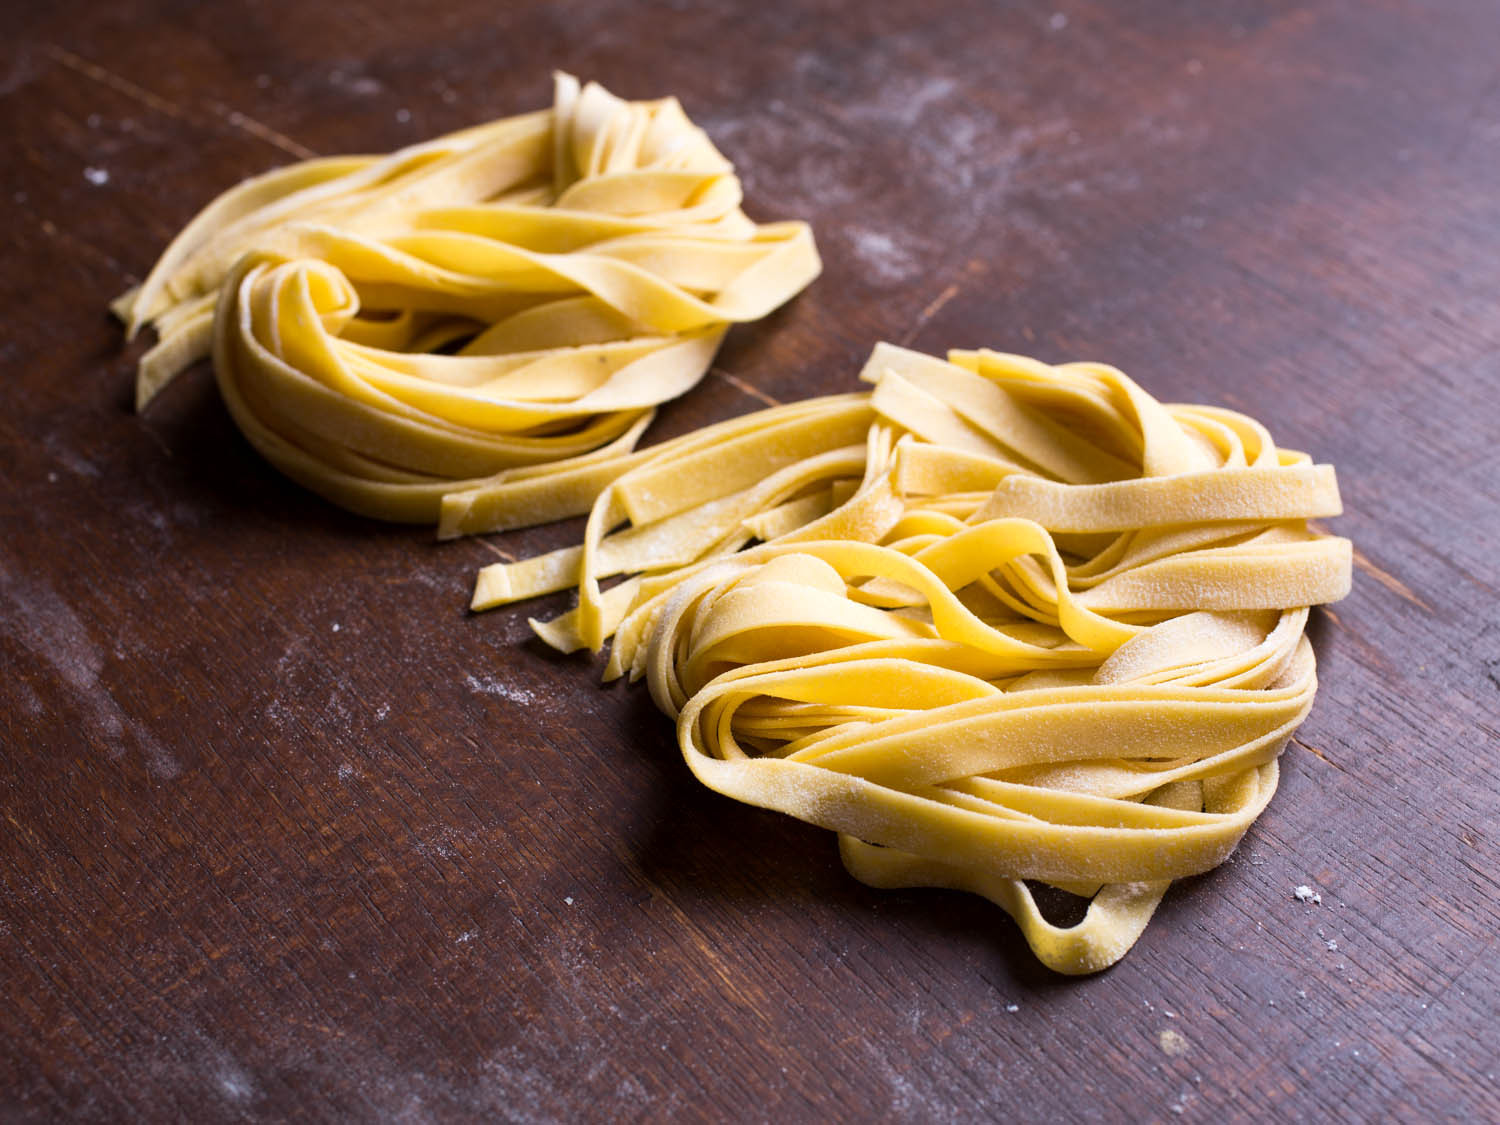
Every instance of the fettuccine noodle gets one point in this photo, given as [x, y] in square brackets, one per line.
[500, 308]
[994, 621]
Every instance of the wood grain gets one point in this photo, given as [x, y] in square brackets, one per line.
[287, 834]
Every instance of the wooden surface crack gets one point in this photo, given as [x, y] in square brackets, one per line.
[745, 388]
[1316, 753]
[88, 249]
[494, 550]
[245, 123]
[934, 307]
[116, 82]
[236, 119]
[1389, 580]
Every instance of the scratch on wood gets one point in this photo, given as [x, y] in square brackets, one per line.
[688, 927]
[1388, 580]
[52, 230]
[161, 442]
[233, 117]
[262, 131]
[933, 308]
[488, 546]
[740, 385]
[115, 82]
[1316, 753]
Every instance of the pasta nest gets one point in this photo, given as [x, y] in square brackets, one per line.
[499, 305]
[995, 621]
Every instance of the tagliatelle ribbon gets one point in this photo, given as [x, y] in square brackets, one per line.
[494, 313]
[995, 621]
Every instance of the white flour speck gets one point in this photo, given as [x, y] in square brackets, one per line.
[568, 900]
[96, 176]
[336, 626]
[466, 936]
[346, 771]
[1305, 893]
[1179, 1107]
[403, 115]
[1012, 1007]
[1058, 21]
[885, 260]
[236, 1085]
[490, 685]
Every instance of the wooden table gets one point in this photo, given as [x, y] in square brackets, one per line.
[288, 833]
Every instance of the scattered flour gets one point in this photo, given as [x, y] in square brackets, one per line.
[54, 634]
[491, 685]
[1305, 893]
[236, 1085]
[887, 261]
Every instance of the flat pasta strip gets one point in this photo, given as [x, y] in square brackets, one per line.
[1034, 627]
[492, 315]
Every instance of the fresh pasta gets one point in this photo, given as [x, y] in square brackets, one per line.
[500, 309]
[992, 622]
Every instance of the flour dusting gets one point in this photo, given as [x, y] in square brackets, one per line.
[493, 685]
[47, 626]
[885, 259]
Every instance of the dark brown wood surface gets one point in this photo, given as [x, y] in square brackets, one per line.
[286, 833]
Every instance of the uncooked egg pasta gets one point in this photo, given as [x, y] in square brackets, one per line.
[995, 621]
[500, 309]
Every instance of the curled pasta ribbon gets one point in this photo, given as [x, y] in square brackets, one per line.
[992, 622]
[495, 313]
